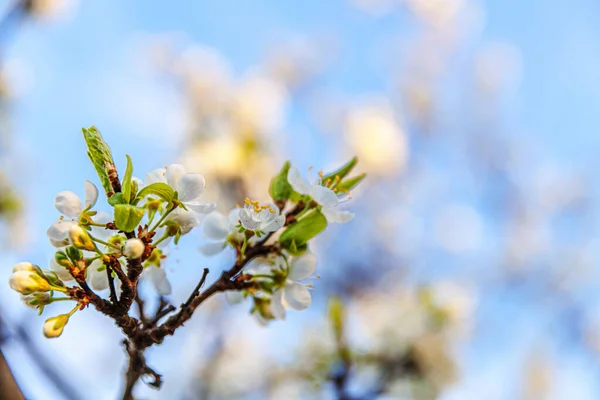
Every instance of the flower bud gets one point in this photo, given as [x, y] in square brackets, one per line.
[27, 282]
[53, 327]
[27, 266]
[134, 248]
[36, 300]
[81, 239]
[74, 253]
[61, 258]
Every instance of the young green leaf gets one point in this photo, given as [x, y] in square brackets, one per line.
[343, 171]
[159, 189]
[298, 234]
[128, 217]
[100, 156]
[116, 198]
[351, 183]
[280, 188]
[127, 180]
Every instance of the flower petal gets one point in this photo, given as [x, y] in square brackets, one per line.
[173, 173]
[216, 226]
[187, 220]
[59, 231]
[297, 296]
[63, 273]
[234, 296]
[234, 217]
[159, 280]
[303, 267]
[68, 204]
[157, 175]
[299, 184]
[324, 196]
[202, 208]
[276, 306]
[91, 195]
[210, 249]
[337, 216]
[275, 224]
[98, 280]
[190, 187]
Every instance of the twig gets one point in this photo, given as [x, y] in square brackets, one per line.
[111, 285]
[163, 309]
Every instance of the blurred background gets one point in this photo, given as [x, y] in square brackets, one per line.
[470, 270]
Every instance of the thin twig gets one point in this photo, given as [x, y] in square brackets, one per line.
[111, 285]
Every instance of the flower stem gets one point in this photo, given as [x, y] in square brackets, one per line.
[95, 239]
[165, 236]
[73, 310]
[162, 218]
[244, 246]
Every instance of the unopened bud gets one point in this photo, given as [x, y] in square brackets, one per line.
[27, 266]
[36, 300]
[134, 248]
[27, 282]
[74, 253]
[61, 258]
[53, 327]
[81, 239]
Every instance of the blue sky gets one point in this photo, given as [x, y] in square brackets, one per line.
[87, 70]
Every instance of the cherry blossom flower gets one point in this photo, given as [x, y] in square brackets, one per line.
[70, 206]
[320, 192]
[294, 294]
[260, 218]
[188, 186]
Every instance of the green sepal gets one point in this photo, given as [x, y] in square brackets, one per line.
[295, 238]
[343, 171]
[128, 217]
[280, 188]
[351, 183]
[116, 198]
[74, 253]
[159, 189]
[126, 188]
[100, 156]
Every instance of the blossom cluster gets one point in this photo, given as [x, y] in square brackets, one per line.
[97, 252]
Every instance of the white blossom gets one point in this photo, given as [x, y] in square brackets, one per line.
[326, 197]
[70, 206]
[188, 186]
[260, 218]
[294, 294]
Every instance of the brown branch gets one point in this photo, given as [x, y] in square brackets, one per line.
[163, 309]
[111, 285]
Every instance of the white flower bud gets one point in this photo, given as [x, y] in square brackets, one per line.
[134, 248]
[81, 239]
[27, 266]
[53, 327]
[36, 300]
[27, 282]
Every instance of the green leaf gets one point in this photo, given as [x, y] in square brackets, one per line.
[297, 235]
[128, 217]
[116, 198]
[159, 189]
[127, 180]
[100, 156]
[280, 188]
[351, 183]
[343, 171]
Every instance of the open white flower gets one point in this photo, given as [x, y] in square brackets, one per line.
[260, 218]
[188, 186]
[70, 206]
[326, 197]
[187, 220]
[294, 294]
[219, 228]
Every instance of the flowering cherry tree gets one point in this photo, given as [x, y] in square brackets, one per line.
[100, 258]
